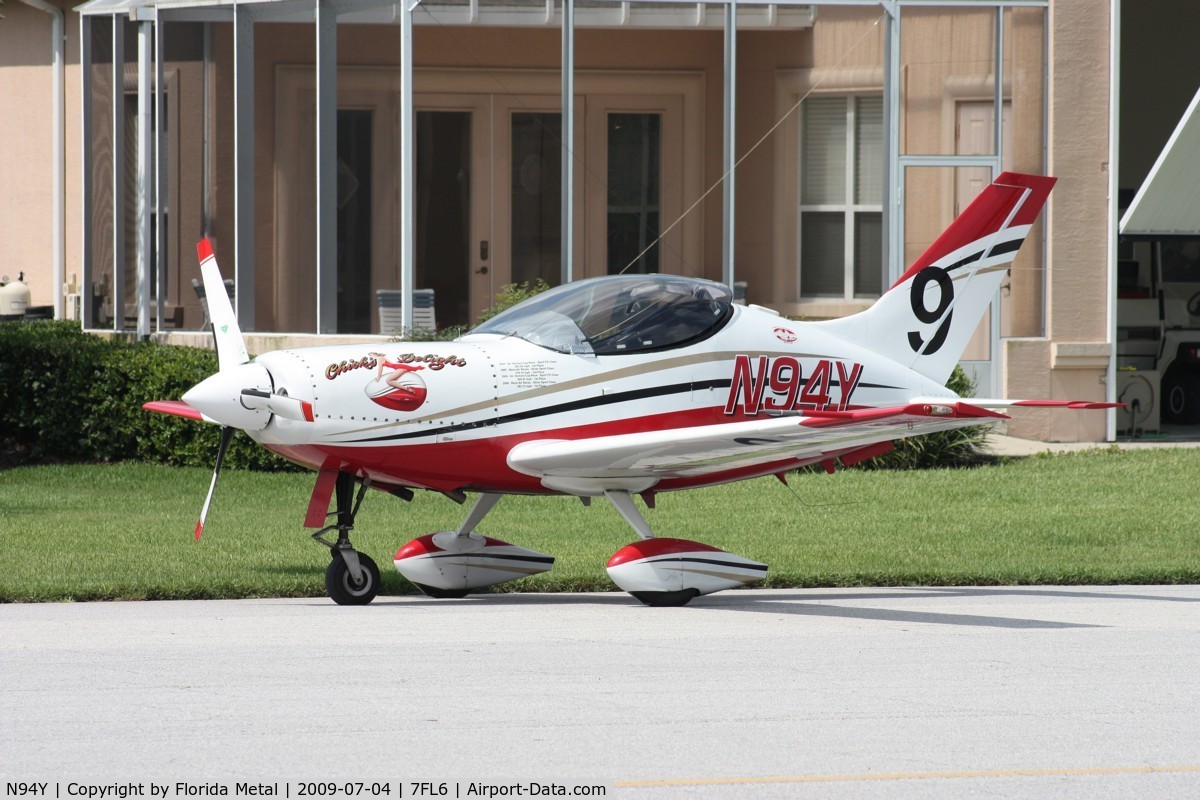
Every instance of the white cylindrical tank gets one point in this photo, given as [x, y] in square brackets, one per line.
[14, 298]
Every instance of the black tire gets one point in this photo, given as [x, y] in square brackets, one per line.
[341, 587]
[441, 594]
[1181, 398]
[667, 599]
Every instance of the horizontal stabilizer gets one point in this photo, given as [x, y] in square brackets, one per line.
[1003, 403]
[939, 407]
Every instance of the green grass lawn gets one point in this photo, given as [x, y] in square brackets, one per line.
[125, 530]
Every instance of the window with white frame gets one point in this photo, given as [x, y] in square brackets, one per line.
[841, 188]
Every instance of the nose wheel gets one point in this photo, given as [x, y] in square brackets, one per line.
[352, 578]
[346, 590]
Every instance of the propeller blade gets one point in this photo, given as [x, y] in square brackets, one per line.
[226, 437]
[231, 347]
[279, 404]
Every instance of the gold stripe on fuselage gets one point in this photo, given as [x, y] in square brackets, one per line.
[584, 382]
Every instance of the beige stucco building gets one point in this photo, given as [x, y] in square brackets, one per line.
[859, 130]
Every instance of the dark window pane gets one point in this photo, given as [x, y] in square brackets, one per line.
[443, 261]
[354, 301]
[536, 197]
[868, 150]
[823, 175]
[868, 254]
[634, 145]
[822, 254]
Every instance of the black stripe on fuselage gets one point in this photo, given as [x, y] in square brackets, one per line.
[574, 405]
[561, 408]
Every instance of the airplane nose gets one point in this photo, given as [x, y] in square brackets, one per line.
[219, 396]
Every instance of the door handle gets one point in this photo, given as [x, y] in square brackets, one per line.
[482, 270]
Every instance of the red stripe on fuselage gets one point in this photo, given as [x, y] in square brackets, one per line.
[482, 464]
[479, 462]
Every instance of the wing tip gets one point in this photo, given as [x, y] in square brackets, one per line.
[204, 249]
[176, 408]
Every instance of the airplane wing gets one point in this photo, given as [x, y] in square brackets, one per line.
[816, 436]
[176, 408]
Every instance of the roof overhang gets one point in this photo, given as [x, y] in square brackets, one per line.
[1168, 204]
[660, 14]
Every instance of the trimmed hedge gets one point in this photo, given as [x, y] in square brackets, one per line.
[69, 396]
[960, 447]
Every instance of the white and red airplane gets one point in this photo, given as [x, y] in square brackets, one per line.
[613, 387]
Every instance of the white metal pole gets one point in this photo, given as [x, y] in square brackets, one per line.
[893, 221]
[243, 164]
[326, 156]
[1114, 141]
[568, 138]
[145, 171]
[58, 253]
[87, 159]
[118, 177]
[408, 248]
[728, 198]
[206, 161]
[995, 351]
[160, 177]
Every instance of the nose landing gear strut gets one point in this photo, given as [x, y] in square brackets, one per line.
[352, 579]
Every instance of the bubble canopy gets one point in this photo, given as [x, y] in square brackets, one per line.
[618, 314]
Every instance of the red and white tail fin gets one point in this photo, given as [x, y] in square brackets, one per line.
[926, 319]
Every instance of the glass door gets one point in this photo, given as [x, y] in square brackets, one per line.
[535, 196]
[527, 189]
[488, 186]
[443, 213]
[635, 182]
[489, 192]
[453, 206]
[488, 198]
[354, 217]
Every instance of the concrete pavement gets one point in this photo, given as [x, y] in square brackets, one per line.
[907, 692]
[1003, 445]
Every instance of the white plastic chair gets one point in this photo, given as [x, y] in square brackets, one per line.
[389, 301]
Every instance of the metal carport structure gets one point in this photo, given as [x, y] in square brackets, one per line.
[325, 15]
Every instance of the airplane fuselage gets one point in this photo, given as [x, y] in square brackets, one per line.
[445, 415]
